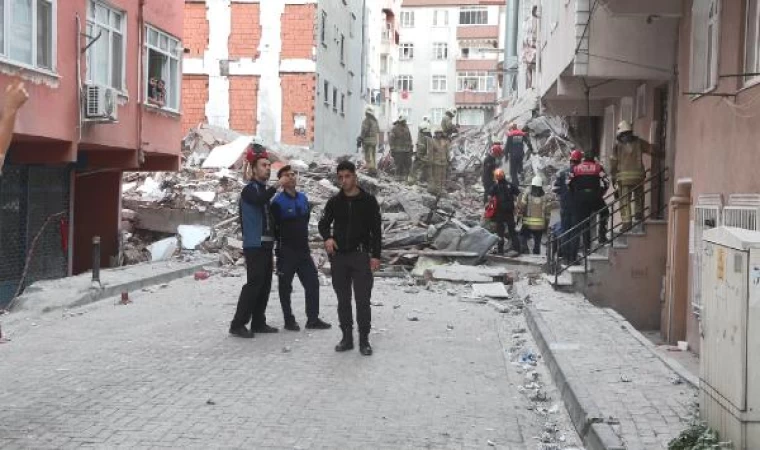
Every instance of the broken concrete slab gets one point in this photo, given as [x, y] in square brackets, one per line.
[498, 306]
[425, 263]
[205, 196]
[477, 240]
[166, 220]
[468, 274]
[407, 239]
[490, 290]
[225, 156]
[413, 205]
[163, 249]
[193, 235]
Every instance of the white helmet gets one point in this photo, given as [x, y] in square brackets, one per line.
[401, 118]
[257, 140]
[369, 110]
[424, 126]
[537, 181]
[453, 111]
[624, 126]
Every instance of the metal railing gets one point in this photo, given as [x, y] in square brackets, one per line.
[593, 242]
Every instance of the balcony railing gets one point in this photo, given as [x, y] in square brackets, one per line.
[475, 98]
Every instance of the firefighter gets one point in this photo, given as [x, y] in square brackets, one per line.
[368, 139]
[587, 183]
[438, 157]
[535, 210]
[491, 162]
[517, 140]
[506, 194]
[627, 170]
[420, 166]
[400, 140]
[562, 191]
[447, 124]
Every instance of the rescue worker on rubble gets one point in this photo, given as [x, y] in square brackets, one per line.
[447, 124]
[628, 173]
[400, 140]
[368, 139]
[420, 166]
[587, 183]
[438, 157]
[491, 162]
[506, 195]
[517, 140]
[535, 210]
[561, 189]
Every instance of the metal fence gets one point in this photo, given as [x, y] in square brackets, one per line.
[34, 223]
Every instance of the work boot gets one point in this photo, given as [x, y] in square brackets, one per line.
[266, 329]
[347, 343]
[241, 332]
[364, 347]
[500, 247]
[317, 324]
[292, 325]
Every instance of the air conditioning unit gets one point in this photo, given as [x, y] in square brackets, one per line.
[100, 103]
[729, 369]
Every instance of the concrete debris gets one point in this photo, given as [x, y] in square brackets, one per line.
[192, 236]
[163, 249]
[491, 290]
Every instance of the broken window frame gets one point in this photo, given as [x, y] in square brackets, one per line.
[439, 83]
[440, 51]
[407, 19]
[406, 51]
[8, 35]
[752, 43]
[473, 15]
[300, 117]
[405, 83]
[173, 85]
[106, 30]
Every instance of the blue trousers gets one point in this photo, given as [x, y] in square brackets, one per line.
[290, 263]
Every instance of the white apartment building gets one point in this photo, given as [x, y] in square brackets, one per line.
[449, 57]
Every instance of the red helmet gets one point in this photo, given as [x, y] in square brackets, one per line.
[576, 155]
[255, 152]
[497, 149]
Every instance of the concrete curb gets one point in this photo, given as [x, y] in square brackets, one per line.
[674, 365]
[585, 414]
[112, 290]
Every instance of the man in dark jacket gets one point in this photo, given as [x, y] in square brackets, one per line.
[291, 213]
[258, 242]
[588, 182]
[517, 140]
[491, 162]
[351, 226]
[506, 194]
[562, 191]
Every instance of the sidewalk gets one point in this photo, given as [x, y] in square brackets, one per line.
[619, 393]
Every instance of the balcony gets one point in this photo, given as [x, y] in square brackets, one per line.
[644, 7]
[488, 65]
[468, 98]
[471, 32]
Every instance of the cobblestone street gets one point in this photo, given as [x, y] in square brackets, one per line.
[162, 372]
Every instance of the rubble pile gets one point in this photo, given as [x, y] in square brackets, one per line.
[196, 209]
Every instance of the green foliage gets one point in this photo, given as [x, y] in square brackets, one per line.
[698, 437]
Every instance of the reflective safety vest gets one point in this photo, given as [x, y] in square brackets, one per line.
[626, 162]
[535, 214]
[438, 151]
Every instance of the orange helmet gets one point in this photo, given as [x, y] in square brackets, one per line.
[498, 174]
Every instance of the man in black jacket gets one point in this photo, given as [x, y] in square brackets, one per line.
[352, 229]
[506, 193]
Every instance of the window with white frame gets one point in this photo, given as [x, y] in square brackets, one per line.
[436, 115]
[407, 19]
[752, 42]
[473, 16]
[440, 18]
[404, 83]
[164, 75]
[440, 50]
[475, 82]
[406, 51]
[438, 83]
[326, 92]
[27, 33]
[107, 53]
[705, 42]
[472, 117]
[323, 29]
[342, 104]
[405, 112]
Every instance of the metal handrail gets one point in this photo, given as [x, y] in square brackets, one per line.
[612, 208]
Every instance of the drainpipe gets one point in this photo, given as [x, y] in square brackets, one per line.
[364, 52]
[510, 47]
[539, 50]
[140, 79]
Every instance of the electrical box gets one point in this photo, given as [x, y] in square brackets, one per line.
[730, 341]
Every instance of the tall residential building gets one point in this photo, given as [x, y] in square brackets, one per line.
[104, 87]
[449, 58]
[288, 70]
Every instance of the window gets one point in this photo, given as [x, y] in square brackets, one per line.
[705, 40]
[342, 49]
[440, 50]
[326, 92]
[473, 16]
[353, 25]
[384, 64]
[641, 101]
[475, 82]
[106, 55]
[440, 18]
[323, 29]
[438, 83]
[476, 51]
[751, 42]
[27, 32]
[406, 51]
[405, 112]
[407, 19]
[342, 104]
[404, 83]
[299, 124]
[335, 99]
[471, 117]
[163, 70]
[436, 115]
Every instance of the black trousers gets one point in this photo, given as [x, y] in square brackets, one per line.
[487, 185]
[516, 166]
[351, 272]
[254, 296]
[507, 223]
[291, 262]
[583, 207]
[536, 235]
